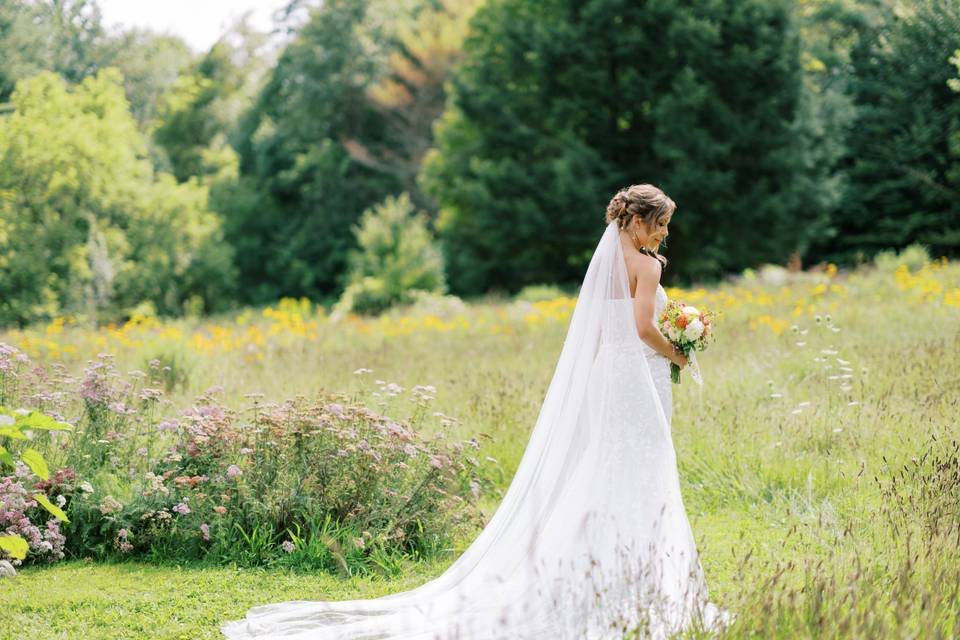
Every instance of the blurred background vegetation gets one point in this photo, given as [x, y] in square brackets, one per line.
[365, 149]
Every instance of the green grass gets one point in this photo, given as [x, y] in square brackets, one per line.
[89, 601]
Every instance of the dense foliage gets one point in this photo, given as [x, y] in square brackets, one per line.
[791, 132]
[299, 190]
[86, 223]
[320, 482]
[903, 151]
[557, 106]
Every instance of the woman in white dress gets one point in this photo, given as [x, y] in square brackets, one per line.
[591, 540]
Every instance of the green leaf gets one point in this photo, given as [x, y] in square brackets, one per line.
[6, 457]
[37, 464]
[37, 420]
[16, 546]
[49, 506]
[12, 432]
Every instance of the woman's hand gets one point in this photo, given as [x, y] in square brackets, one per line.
[679, 359]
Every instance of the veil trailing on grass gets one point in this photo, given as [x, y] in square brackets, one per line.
[591, 539]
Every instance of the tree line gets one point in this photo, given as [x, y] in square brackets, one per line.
[368, 147]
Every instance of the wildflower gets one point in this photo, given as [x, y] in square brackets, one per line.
[288, 546]
[205, 531]
[61, 501]
[817, 319]
[181, 508]
[334, 408]
[110, 505]
[220, 510]
[142, 451]
[245, 450]
[122, 534]
[361, 371]
[233, 471]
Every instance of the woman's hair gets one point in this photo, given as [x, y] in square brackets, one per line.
[643, 200]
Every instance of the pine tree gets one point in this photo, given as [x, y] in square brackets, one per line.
[904, 176]
[558, 104]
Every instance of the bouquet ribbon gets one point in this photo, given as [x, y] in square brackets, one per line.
[695, 369]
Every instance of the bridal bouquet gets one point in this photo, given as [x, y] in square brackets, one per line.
[689, 329]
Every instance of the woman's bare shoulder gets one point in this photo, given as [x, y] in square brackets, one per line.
[645, 271]
[647, 267]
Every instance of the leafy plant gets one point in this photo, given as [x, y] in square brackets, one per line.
[16, 426]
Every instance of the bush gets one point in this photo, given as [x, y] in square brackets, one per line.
[539, 293]
[322, 483]
[913, 257]
[397, 255]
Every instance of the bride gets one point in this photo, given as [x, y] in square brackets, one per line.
[591, 540]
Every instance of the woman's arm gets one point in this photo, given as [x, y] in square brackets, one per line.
[644, 303]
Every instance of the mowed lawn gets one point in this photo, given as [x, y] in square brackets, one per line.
[816, 463]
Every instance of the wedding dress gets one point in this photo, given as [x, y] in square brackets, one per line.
[591, 540]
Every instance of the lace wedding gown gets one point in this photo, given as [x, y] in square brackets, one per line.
[591, 540]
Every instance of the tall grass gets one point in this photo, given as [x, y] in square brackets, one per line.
[818, 464]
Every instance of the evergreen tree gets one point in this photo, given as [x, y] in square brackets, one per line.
[299, 192]
[904, 175]
[558, 104]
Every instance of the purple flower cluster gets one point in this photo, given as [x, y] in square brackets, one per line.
[16, 508]
[10, 357]
[101, 387]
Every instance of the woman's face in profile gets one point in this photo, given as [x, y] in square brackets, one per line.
[651, 236]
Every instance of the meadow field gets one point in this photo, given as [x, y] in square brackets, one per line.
[819, 463]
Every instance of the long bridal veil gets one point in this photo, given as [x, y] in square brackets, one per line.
[590, 541]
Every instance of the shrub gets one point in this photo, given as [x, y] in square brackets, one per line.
[396, 255]
[324, 483]
[539, 293]
[25, 513]
[913, 256]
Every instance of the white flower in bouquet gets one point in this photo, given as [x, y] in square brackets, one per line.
[693, 330]
[691, 311]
